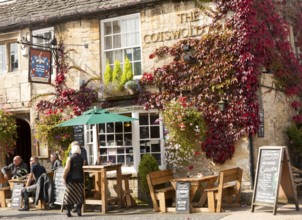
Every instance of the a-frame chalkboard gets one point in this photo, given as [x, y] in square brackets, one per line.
[274, 180]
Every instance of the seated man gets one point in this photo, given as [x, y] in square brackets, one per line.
[36, 170]
[16, 169]
[55, 161]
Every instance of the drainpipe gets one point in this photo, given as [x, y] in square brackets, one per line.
[251, 150]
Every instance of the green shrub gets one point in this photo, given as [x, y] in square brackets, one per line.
[107, 74]
[148, 164]
[117, 72]
[294, 135]
[127, 72]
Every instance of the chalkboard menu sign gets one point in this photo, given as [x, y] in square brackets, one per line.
[274, 178]
[268, 176]
[183, 197]
[16, 196]
[78, 134]
[59, 186]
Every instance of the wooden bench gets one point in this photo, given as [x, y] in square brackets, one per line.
[160, 188]
[4, 193]
[229, 185]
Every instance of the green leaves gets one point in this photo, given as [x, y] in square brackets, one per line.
[8, 132]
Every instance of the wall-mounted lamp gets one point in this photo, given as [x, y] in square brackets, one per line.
[222, 104]
[127, 124]
[188, 56]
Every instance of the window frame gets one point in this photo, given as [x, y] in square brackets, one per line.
[7, 55]
[40, 46]
[132, 47]
[94, 151]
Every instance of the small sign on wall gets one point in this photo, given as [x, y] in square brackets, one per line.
[261, 124]
[39, 66]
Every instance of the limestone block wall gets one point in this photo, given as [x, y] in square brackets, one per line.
[165, 24]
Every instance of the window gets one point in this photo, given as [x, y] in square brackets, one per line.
[9, 57]
[89, 143]
[121, 39]
[41, 37]
[116, 143]
[149, 130]
[126, 142]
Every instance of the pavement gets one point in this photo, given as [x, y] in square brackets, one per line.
[284, 212]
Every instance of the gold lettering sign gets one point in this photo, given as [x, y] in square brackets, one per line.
[185, 32]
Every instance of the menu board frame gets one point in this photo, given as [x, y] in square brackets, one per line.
[274, 178]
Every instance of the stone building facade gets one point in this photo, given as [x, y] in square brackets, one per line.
[81, 24]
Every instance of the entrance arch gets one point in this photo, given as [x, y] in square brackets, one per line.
[23, 144]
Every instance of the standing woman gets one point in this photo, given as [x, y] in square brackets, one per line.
[74, 180]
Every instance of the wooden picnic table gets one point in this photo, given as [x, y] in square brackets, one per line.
[101, 185]
[197, 184]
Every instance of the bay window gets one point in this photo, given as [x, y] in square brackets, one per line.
[126, 142]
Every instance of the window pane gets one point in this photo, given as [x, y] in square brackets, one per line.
[118, 55]
[137, 67]
[107, 28]
[116, 27]
[128, 139]
[109, 127]
[118, 127]
[2, 59]
[144, 132]
[137, 53]
[128, 53]
[121, 159]
[117, 41]
[143, 119]
[155, 147]
[14, 56]
[119, 139]
[108, 43]
[154, 119]
[109, 57]
[155, 132]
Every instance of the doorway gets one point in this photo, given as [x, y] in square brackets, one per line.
[23, 144]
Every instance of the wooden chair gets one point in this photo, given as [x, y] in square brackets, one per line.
[297, 177]
[160, 188]
[229, 185]
[4, 191]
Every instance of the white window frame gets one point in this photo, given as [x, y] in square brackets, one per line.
[93, 151]
[41, 43]
[136, 15]
[6, 43]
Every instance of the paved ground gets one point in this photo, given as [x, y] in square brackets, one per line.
[285, 212]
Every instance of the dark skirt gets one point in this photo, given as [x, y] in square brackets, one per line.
[74, 194]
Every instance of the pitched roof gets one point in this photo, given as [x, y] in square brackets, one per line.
[22, 13]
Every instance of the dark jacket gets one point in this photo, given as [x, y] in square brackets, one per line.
[15, 171]
[75, 174]
[44, 191]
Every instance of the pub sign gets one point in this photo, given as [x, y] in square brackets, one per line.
[39, 66]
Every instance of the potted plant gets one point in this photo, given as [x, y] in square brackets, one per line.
[132, 86]
[148, 164]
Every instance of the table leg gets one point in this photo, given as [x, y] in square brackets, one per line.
[104, 191]
[119, 187]
[203, 197]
